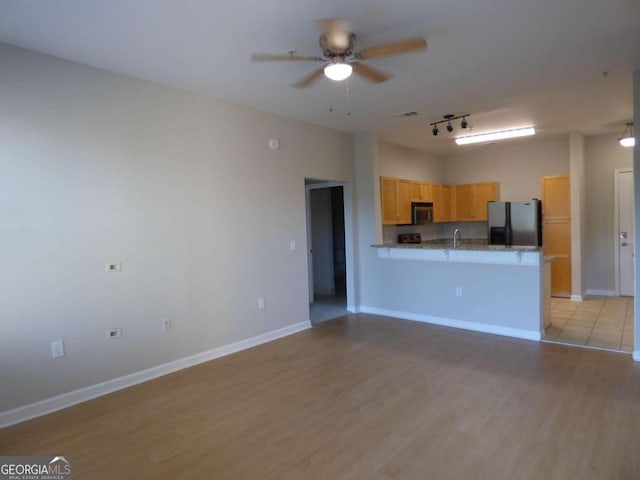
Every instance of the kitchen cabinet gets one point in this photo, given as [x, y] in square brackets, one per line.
[556, 231]
[471, 201]
[421, 192]
[442, 203]
[396, 200]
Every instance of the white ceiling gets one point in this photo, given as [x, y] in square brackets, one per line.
[507, 62]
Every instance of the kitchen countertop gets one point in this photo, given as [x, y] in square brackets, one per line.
[465, 244]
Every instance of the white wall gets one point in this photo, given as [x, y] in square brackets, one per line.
[99, 168]
[402, 162]
[603, 155]
[518, 166]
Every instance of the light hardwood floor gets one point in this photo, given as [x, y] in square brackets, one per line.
[362, 397]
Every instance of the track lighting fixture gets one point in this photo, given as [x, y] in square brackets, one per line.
[448, 119]
[627, 139]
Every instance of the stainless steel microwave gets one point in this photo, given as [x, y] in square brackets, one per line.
[421, 213]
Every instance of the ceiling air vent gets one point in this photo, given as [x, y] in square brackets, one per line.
[406, 114]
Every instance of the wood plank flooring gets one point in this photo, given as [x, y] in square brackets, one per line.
[362, 397]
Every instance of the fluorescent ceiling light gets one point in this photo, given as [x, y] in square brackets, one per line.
[338, 71]
[488, 137]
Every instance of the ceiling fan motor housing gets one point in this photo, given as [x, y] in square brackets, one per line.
[337, 44]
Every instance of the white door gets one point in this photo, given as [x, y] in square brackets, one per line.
[625, 231]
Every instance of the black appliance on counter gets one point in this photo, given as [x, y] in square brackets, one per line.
[409, 238]
[515, 223]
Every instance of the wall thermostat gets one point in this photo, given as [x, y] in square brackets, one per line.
[274, 144]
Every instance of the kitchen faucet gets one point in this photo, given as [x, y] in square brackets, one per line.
[456, 237]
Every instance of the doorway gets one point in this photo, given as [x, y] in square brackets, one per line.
[624, 231]
[327, 250]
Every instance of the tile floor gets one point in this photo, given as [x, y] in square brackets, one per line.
[327, 307]
[604, 322]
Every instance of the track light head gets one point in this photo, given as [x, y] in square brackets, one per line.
[435, 130]
[449, 127]
[463, 123]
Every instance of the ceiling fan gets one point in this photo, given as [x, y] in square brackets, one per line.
[339, 57]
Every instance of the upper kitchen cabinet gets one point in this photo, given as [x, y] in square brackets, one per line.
[471, 200]
[396, 200]
[442, 203]
[421, 192]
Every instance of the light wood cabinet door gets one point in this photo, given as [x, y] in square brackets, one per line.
[484, 193]
[421, 192]
[442, 200]
[464, 206]
[403, 203]
[556, 231]
[388, 193]
[395, 196]
[471, 200]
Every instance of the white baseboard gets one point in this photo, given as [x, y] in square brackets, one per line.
[352, 309]
[449, 322]
[49, 405]
[602, 293]
[636, 355]
[577, 298]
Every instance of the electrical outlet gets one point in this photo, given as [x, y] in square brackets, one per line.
[57, 349]
[166, 325]
[114, 333]
[292, 245]
[261, 304]
[458, 291]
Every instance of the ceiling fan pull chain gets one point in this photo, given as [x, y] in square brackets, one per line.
[331, 98]
[346, 83]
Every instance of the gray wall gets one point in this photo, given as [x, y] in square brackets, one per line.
[402, 162]
[603, 155]
[100, 168]
[518, 166]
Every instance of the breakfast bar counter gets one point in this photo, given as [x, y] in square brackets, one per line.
[474, 286]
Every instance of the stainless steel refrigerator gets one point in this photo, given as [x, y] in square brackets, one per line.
[515, 223]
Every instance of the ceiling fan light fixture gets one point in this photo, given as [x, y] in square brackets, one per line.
[500, 135]
[338, 71]
[627, 139]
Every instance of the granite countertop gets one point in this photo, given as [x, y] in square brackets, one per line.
[465, 244]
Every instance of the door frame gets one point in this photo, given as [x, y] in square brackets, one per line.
[349, 241]
[616, 225]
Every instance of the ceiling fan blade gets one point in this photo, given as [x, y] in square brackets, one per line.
[396, 48]
[372, 74]
[267, 57]
[309, 79]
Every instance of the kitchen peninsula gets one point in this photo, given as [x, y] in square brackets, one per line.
[475, 286]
